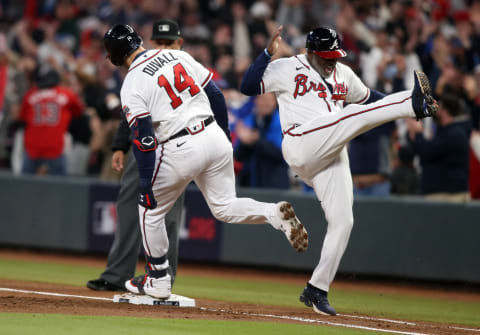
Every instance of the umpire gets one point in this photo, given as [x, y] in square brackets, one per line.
[123, 255]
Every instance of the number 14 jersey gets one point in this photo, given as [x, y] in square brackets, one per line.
[167, 85]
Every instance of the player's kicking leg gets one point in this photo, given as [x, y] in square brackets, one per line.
[217, 184]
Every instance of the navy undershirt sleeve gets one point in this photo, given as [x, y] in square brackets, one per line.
[374, 96]
[218, 105]
[141, 128]
[250, 84]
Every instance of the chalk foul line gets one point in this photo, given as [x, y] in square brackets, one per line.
[54, 294]
[273, 316]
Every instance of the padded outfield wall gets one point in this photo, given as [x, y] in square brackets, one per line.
[404, 237]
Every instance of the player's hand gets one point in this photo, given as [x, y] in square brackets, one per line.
[275, 41]
[118, 159]
[146, 199]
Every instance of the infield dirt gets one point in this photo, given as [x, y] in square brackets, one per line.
[211, 310]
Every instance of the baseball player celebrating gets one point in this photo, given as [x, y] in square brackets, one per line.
[313, 91]
[167, 98]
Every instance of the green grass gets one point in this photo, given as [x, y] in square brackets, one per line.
[48, 324]
[47, 272]
[390, 305]
[406, 307]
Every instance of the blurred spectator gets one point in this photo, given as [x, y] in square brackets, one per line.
[324, 11]
[67, 32]
[370, 161]
[47, 110]
[259, 146]
[8, 96]
[404, 178]
[445, 158]
[241, 39]
[385, 40]
[258, 26]
[370, 60]
[88, 135]
[291, 14]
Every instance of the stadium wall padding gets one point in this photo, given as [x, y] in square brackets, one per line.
[405, 237]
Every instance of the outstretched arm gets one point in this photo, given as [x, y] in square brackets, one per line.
[250, 84]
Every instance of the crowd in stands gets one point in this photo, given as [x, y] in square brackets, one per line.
[385, 41]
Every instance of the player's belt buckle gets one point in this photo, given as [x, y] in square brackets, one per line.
[196, 128]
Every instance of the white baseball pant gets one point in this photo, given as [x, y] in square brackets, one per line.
[316, 151]
[207, 159]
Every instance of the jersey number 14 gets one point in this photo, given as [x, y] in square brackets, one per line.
[182, 81]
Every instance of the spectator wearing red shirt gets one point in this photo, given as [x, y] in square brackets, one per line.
[47, 110]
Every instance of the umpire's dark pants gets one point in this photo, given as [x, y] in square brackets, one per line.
[123, 255]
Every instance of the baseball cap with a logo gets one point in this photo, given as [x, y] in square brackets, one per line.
[165, 30]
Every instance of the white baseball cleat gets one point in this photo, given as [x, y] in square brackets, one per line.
[290, 224]
[155, 287]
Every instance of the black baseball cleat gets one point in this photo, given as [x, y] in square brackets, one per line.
[103, 285]
[422, 101]
[316, 298]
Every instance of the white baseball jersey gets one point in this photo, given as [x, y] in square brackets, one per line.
[168, 85]
[317, 126]
[303, 94]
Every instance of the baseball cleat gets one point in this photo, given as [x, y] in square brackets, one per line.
[291, 226]
[155, 287]
[422, 101]
[316, 298]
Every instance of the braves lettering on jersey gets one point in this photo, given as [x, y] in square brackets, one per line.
[303, 94]
[168, 85]
[47, 114]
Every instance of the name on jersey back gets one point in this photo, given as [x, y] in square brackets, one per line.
[157, 63]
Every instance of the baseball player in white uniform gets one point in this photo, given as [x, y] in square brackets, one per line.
[168, 98]
[323, 104]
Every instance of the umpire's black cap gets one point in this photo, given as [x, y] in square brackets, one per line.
[325, 43]
[165, 30]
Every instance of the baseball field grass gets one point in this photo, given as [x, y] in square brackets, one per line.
[48, 324]
[347, 300]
